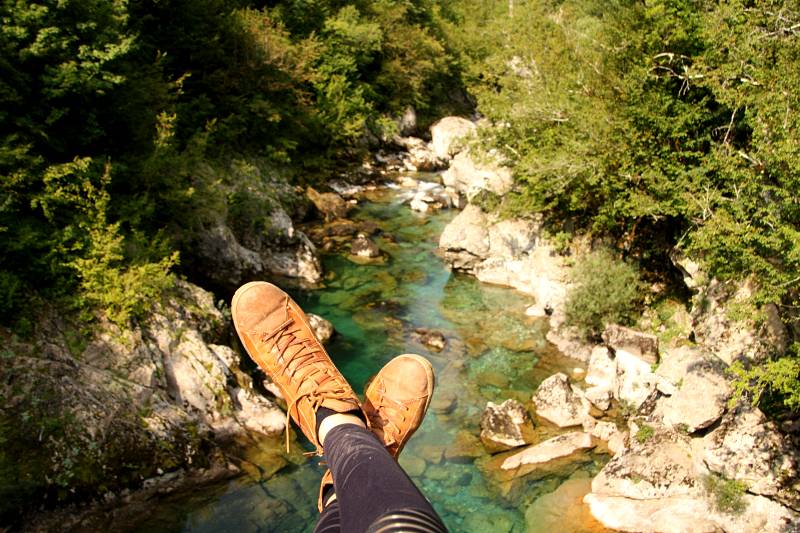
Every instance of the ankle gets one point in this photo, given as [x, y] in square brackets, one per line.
[335, 420]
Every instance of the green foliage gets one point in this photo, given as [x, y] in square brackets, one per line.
[605, 290]
[644, 433]
[779, 378]
[663, 124]
[727, 495]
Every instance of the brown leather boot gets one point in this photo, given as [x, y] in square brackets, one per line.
[277, 336]
[396, 401]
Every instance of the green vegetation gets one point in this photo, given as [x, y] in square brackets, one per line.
[124, 125]
[656, 125]
[605, 290]
[644, 433]
[727, 495]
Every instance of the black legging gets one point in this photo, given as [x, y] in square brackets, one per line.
[373, 494]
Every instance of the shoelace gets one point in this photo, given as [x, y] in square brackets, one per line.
[392, 408]
[327, 387]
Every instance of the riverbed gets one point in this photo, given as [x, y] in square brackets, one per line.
[493, 352]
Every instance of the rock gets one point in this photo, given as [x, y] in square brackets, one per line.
[701, 398]
[322, 328]
[549, 450]
[748, 448]
[680, 514]
[447, 133]
[655, 465]
[756, 337]
[604, 430]
[599, 397]
[602, 372]
[464, 448]
[617, 442]
[674, 366]
[641, 345]
[362, 246]
[560, 403]
[466, 239]
[635, 378]
[430, 338]
[468, 176]
[407, 122]
[444, 402]
[257, 413]
[330, 204]
[414, 466]
[421, 202]
[346, 190]
[421, 156]
[563, 509]
[505, 426]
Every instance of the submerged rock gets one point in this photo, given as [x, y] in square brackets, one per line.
[540, 454]
[505, 426]
[363, 246]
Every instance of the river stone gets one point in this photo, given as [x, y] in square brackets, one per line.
[559, 402]
[641, 345]
[444, 402]
[556, 448]
[330, 204]
[505, 426]
[468, 176]
[323, 329]
[414, 466]
[701, 399]
[446, 134]
[362, 246]
[748, 448]
[420, 154]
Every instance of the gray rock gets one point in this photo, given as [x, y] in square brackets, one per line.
[505, 426]
[549, 450]
[641, 345]
[330, 204]
[748, 448]
[559, 402]
[322, 328]
[362, 246]
[701, 398]
[465, 240]
[470, 177]
[420, 154]
[448, 133]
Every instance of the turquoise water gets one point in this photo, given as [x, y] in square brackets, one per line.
[493, 352]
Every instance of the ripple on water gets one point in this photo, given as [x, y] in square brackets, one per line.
[493, 352]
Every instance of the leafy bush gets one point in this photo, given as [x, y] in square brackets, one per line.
[606, 290]
[727, 495]
[779, 378]
[644, 434]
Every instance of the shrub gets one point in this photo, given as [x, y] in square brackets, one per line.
[727, 495]
[605, 290]
[644, 434]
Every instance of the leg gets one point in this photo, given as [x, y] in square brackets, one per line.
[373, 492]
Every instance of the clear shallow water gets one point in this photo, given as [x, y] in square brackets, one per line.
[493, 352]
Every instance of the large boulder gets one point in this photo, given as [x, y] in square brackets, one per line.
[506, 252]
[643, 346]
[557, 401]
[748, 448]
[448, 133]
[505, 426]
[471, 176]
[420, 154]
[700, 398]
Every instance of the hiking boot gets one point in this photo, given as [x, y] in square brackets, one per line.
[276, 334]
[396, 401]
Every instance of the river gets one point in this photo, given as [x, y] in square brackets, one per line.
[493, 352]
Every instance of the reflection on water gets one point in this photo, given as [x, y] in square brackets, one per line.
[493, 352]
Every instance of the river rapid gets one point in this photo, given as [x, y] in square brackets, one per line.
[493, 352]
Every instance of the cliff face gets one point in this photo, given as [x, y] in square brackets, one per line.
[86, 416]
